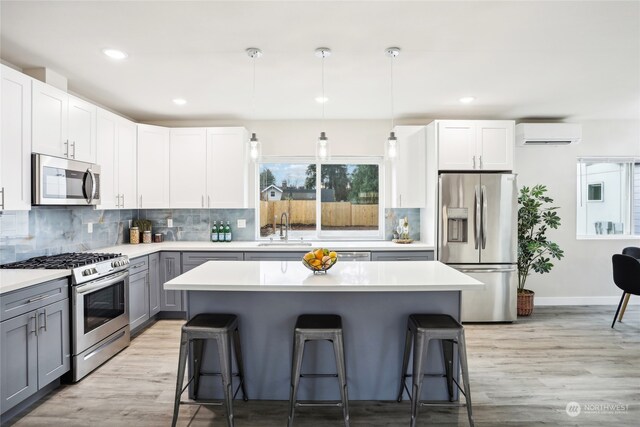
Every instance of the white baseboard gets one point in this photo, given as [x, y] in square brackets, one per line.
[543, 301]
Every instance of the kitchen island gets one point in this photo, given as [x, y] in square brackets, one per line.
[373, 298]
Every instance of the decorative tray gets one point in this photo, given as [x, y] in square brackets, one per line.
[402, 241]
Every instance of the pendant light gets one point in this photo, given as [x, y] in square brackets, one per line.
[254, 143]
[322, 146]
[392, 141]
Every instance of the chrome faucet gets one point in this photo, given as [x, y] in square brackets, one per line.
[284, 236]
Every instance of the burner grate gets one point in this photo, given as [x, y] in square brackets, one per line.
[62, 261]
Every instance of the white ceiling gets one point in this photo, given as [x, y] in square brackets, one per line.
[560, 60]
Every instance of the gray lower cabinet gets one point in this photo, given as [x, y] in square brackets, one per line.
[170, 267]
[138, 299]
[154, 284]
[402, 256]
[34, 345]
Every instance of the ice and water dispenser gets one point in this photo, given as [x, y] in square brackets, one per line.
[457, 224]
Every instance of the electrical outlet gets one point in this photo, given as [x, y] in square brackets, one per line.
[90, 228]
[169, 222]
[242, 223]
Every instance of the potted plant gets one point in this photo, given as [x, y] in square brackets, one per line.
[535, 216]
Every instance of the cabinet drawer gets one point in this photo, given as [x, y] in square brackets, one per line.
[273, 256]
[33, 297]
[402, 256]
[138, 264]
[191, 260]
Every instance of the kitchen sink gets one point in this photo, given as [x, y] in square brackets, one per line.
[292, 243]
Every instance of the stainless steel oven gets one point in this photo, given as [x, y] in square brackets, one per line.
[59, 181]
[100, 321]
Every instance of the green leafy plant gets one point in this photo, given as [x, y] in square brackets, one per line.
[142, 224]
[535, 217]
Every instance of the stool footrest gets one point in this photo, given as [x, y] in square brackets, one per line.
[318, 375]
[333, 404]
[441, 404]
[217, 374]
[202, 402]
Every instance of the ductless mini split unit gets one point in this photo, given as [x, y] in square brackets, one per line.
[529, 134]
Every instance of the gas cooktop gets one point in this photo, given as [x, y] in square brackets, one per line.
[62, 261]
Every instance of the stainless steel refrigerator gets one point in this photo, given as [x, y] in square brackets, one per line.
[477, 234]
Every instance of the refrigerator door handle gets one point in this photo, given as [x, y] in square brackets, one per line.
[484, 216]
[476, 217]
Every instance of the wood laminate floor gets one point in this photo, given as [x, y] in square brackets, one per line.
[522, 374]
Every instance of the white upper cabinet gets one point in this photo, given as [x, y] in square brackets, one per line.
[475, 145]
[188, 154]
[227, 167]
[495, 140]
[127, 165]
[408, 181]
[15, 140]
[153, 167]
[116, 156]
[62, 125]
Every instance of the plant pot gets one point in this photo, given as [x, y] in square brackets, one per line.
[525, 302]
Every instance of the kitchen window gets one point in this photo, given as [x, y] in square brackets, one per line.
[339, 201]
[608, 202]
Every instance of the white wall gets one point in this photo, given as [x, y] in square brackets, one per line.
[584, 275]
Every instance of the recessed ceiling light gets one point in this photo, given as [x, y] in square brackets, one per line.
[467, 99]
[321, 99]
[179, 101]
[114, 53]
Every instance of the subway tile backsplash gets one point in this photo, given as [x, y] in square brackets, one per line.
[52, 230]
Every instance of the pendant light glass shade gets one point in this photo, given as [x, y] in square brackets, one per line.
[255, 149]
[322, 145]
[392, 146]
[392, 141]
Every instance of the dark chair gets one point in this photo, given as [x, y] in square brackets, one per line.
[634, 252]
[626, 276]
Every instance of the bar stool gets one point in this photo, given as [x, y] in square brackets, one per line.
[218, 327]
[421, 329]
[311, 327]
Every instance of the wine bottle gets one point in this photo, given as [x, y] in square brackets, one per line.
[214, 232]
[227, 232]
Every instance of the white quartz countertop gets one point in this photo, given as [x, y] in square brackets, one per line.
[141, 249]
[13, 280]
[292, 276]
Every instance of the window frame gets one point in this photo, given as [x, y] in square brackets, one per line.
[601, 199]
[582, 196]
[335, 160]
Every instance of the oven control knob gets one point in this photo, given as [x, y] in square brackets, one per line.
[86, 272]
[114, 264]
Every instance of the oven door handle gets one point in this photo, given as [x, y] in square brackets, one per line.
[101, 283]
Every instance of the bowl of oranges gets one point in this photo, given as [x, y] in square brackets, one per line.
[319, 260]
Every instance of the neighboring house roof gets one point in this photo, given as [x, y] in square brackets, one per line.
[326, 194]
[271, 187]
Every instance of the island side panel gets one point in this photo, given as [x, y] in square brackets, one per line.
[374, 325]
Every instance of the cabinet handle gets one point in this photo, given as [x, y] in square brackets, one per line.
[2, 201]
[480, 162]
[35, 325]
[400, 202]
[202, 201]
[73, 145]
[403, 259]
[44, 325]
[140, 201]
[38, 298]
[122, 201]
[208, 201]
[66, 148]
[474, 162]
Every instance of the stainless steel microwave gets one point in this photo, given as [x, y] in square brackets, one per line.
[59, 181]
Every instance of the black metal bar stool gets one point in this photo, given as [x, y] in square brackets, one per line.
[310, 327]
[218, 327]
[421, 329]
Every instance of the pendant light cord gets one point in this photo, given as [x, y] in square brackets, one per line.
[392, 112]
[324, 100]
